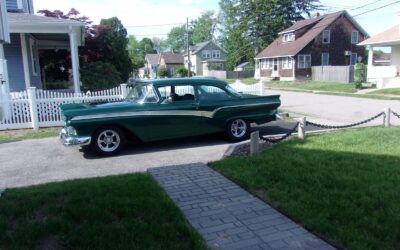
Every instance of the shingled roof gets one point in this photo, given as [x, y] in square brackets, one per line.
[388, 37]
[152, 58]
[279, 49]
[172, 58]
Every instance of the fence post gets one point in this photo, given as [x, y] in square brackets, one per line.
[301, 130]
[262, 87]
[387, 118]
[254, 137]
[33, 107]
[124, 90]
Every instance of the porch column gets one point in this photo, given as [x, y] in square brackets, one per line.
[75, 60]
[25, 61]
[370, 60]
[4, 86]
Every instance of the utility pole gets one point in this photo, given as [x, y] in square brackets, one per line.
[187, 49]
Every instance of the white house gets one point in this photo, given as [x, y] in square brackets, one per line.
[24, 34]
[384, 76]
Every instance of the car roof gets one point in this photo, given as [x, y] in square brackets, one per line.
[184, 80]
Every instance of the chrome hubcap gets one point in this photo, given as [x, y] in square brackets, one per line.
[238, 128]
[108, 140]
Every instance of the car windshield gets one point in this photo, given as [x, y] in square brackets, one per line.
[232, 90]
[143, 93]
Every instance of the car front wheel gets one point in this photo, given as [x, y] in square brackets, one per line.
[237, 130]
[108, 140]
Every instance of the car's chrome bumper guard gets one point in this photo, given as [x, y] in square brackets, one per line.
[69, 140]
[281, 115]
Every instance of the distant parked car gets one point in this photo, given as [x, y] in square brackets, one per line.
[164, 109]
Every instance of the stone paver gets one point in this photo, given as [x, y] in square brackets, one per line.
[227, 216]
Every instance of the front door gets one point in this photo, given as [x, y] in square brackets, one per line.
[275, 68]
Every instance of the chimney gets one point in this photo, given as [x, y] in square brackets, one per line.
[317, 14]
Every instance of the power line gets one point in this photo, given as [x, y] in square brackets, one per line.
[153, 25]
[381, 7]
[362, 6]
[149, 34]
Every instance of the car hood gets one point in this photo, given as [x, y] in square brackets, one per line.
[71, 110]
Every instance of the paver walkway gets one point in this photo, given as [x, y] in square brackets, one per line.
[227, 216]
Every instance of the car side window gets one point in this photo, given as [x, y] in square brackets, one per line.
[209, 92]
[177, 93]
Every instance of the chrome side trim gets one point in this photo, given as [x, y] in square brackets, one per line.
[200, 113]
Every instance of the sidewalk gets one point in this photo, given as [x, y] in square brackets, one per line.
[226, 215]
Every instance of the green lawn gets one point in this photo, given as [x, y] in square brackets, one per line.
[120, 212]
[393, 91]
[24, 134]
[344, 185]
[314, 86]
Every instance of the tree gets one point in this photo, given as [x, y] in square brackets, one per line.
[250, 26]
[176, 39]
[147, 46]
[203, 28]
[106, 42]
[135, 53]
[72, 14]
[114, 44]
[159, 44]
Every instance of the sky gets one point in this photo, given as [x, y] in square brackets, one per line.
[155, 12]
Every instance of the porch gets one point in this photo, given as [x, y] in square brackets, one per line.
[384, 76]
[19, 59]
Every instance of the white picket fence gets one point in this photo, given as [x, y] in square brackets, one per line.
[36, 108]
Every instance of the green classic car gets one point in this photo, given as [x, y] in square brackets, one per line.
[164, 109]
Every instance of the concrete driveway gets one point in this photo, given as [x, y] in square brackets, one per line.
[334, 109]
[31, 162]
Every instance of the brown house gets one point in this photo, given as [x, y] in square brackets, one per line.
[323, 40]
[171, 61]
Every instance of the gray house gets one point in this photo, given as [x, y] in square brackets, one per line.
[205, 56]
[29, 33]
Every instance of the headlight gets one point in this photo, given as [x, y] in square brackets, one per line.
[71, 131]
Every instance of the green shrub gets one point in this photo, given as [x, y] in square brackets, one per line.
[57, 85]
[162, 72]
[359, 74]
[181, 71]
[99, 75]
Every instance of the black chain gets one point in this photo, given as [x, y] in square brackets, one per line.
[282, 138]
[349, 125]
[396, 114]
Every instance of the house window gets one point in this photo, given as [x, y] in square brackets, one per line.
[287, 63]
[263, 63]
[324, 59]
[34, 57]
[354, 37]
[304, 61]
[216, 54]
[206, 54]
[288, 37]
[270, 63]
[353, 58]
[326, 37]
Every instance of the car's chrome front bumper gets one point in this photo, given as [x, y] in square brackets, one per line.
[70, 140]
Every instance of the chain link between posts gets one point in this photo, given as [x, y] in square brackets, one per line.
[396, 114]
[348, 125]
[281, 138]
[308, 123]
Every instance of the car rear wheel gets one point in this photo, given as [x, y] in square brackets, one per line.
[237, 130]
[108, 140]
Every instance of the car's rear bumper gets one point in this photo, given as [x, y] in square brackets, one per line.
[70, 140]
